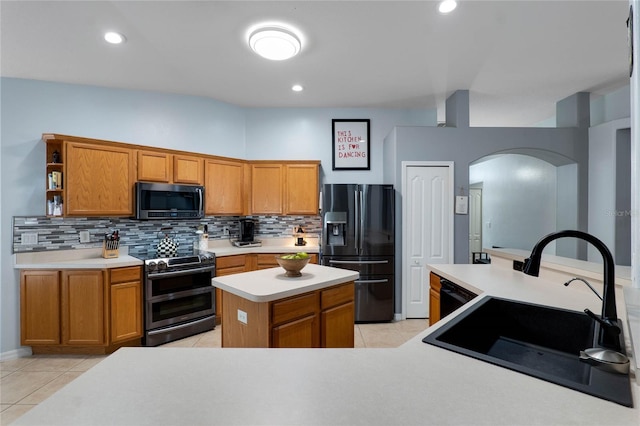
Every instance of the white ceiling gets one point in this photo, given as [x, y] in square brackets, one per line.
[517, 58]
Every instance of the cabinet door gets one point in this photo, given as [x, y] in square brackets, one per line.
[301, 333]
[126, 311]
[337, 326]
[187, 169]
[99, 180]
[267, 188]
[302, 190]
[266, 261]
[83, 307]
[224, 183]
[39, 307]
[434, 298]
[154, 166]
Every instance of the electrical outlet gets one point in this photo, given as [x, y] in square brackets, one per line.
[225, 230]
[29, 238]
[85, 237]
[242, 316]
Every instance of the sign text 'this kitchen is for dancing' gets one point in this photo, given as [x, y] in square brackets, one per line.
[351, 144]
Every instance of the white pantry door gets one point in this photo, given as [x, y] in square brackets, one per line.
[428, 231]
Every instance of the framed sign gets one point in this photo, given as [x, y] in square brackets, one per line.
[350, 144]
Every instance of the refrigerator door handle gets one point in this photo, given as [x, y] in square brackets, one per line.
[361, 262]
[360, 243]
[356, 220]
[371, 281]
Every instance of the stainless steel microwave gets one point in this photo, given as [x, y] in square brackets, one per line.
[168, 201]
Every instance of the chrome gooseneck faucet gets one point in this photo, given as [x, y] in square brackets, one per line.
[609, 329]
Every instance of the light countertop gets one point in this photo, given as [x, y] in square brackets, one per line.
[73, 259]
[413, 384]
[267, 285]
[583, 268]
[222, 247]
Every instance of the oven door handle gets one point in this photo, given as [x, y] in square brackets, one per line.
[177, 327]
[180, 273]
[358, 262]
[371, 281]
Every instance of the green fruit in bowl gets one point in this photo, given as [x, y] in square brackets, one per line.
[302, 255]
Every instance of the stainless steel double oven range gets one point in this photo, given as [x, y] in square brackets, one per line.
[179, 297]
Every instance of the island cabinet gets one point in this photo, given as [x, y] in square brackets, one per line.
[225, 182]
[319, 319]
[80, 310]
[162, 166]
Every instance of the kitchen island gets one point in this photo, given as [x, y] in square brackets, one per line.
[413, 384]
[267, 309]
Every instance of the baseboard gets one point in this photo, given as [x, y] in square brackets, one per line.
[16, 353]
[397, 317]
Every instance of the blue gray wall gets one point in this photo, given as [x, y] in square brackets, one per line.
[30, 108]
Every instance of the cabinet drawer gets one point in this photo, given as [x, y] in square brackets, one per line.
[337, 295]
[266, 260]
[230, 261]
[296, 307]
[123, 275]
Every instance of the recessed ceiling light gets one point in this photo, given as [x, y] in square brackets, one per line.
[275, 43]
[114, 38]
[297, 88]
[447, 6]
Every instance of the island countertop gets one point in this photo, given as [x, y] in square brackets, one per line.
[267, 285]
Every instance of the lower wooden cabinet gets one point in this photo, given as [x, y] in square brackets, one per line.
[318, 319]
[434, 298]
[40, 307]
[80, 311]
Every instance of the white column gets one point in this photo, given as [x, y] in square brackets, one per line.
[635, 149]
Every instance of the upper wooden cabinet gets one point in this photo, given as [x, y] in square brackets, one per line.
[161, 166]
[285, 188]
[98, 180]
[267, 188]
[301, 190]
[225, 187]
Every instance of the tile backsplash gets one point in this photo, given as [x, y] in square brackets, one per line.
[39, 233]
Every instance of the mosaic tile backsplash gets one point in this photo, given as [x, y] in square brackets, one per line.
[55, 233]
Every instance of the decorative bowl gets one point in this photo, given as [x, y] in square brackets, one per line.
[292, 266]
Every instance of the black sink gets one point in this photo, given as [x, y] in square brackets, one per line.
[540, 341]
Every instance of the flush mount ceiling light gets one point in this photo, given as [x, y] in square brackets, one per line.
[447, 6]
[275, 43]
[114, 38]
[297, 88]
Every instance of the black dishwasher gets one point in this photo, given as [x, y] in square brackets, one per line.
[452, 296]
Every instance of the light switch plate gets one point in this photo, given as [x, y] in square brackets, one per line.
[85, 237]
[242, 316]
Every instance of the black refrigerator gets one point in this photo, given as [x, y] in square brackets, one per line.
[358, 234]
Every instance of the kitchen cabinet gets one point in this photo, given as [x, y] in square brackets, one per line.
[337, 316]
[162, 166]
[83, 307]
[434, 298]
[126, 304]
[301, 189]
[39, 307]
[225, 192]
[267, 188]
[318, 319]
[289, 188]
[98, 180]
[80, 310]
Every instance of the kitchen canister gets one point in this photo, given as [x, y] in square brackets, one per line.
[167, 247]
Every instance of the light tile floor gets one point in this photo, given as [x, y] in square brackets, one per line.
[25, 382]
